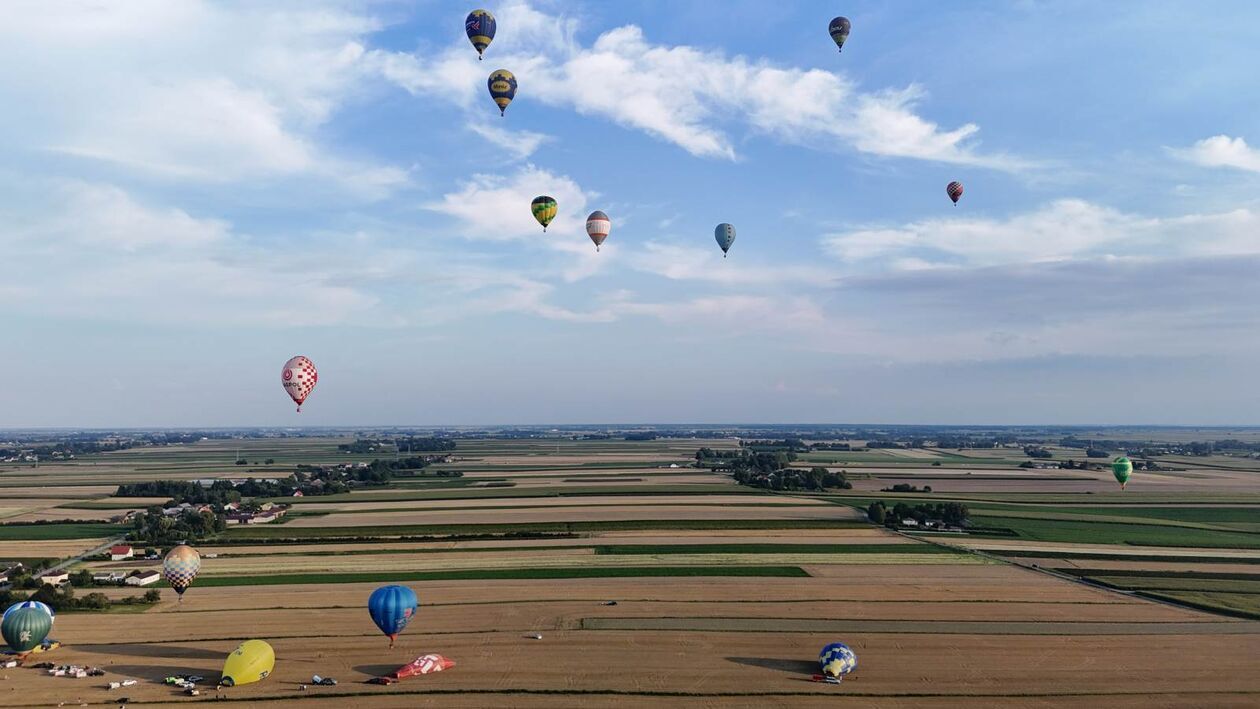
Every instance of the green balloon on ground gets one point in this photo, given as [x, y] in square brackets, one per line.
[25, 628]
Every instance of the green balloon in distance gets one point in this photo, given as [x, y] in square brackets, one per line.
[25, 628]
[1122, 468]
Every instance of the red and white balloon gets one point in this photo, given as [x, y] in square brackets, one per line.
[299, 377]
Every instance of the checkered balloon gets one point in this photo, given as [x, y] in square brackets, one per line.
[180, 567]
[299, 377]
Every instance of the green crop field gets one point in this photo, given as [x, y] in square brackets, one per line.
[72, 530]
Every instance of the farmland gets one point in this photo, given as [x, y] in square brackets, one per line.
[1066, 590]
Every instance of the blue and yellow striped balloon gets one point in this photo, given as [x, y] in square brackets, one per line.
[502, 88]
[837, 660]
[480, 26]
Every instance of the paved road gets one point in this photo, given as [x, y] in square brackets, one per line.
[67, 563]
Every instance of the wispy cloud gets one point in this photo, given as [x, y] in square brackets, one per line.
[1064, 229]
[497, 208]
[692, 97]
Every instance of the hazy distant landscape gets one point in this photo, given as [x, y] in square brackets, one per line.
[733, 553]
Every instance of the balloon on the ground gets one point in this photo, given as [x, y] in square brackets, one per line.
[250, 662]
[392, 608]
[954, 190]
[1122, 468]
[837, 660]
[725, 235]
[502, 88]
[423, 665]
[597, 227]
[299, 378]
[544, 209]
[180, 567]
[32, 604]
[25, 628]
[480, 26]
[839, 31]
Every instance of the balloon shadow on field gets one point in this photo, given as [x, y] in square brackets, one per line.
[155, 650]
[771, 663]
[377, 670]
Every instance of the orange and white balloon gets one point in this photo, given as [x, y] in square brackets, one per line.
[299, 377]
[597, 227]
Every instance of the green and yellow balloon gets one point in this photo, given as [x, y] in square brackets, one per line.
[1122, 468]
[544, 209]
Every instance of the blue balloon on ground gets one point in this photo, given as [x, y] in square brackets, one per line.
[837, 660]
[392, 608]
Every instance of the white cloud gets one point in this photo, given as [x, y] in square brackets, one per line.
[1222, 151]
[187, 89]
[1062, 230]
[690, 96]
[518, 143]
[95, 251]
[689, 263]
[497, 208]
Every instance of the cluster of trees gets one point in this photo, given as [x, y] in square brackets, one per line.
[26, 578]
[1037, 452]
[404, 444]
[770, 470]
[641, 436]
[153, 527]
[953, 514]
[907, 487]
[795, 445]
[63, 599]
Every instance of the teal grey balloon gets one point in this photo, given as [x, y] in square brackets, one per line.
[725, 235]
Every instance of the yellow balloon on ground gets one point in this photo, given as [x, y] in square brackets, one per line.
[251, 661]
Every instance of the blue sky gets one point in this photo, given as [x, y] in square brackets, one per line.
[193, 192]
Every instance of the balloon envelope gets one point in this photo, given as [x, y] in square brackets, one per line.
[480, 26]
[25, 628]
[954, 190]
[1122, 468]
[597, 227]
[839, 31]
[392, 608]
[180, 567]
[544, 209]
[299, 378]
[502, 88]
[837, 660]
[251, 661]
[725, 235]
[32, 604]
[423, 665]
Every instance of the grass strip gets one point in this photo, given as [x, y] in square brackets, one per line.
[577, 572]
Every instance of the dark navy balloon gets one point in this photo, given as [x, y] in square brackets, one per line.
[480, 26]
[839, 31]
[392, 608]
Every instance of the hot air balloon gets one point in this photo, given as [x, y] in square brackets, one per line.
[479, 26]
[299, 377]
[180, 567]
[544, 209]
[32, 604]
[1122, 468]
[837, 660]
[502, 88]
[725, 235]
[954, 190]
[25, 628]
[839, 30]
[392, 608]
[251, 661]
[597, 227]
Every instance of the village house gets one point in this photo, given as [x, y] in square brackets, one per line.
[119, 552]
[142, 578]
[55, 579]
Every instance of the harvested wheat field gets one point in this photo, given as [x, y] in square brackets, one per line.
[611, 513]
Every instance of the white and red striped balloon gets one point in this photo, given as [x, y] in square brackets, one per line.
[597, 227]
[299, 377]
